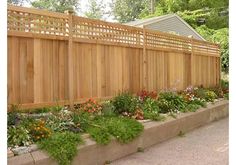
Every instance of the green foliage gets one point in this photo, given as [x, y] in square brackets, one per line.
[209, 18]
[226, 96]
[56, 5]
[100, 135]
[192, 107]
[18, 136]
[123, 129]
[150, 105]
[12, 118]
[224, 84]
[62, 121]
[61, 146]
[108, 109]
[205, 94]
[153, 116]
[127, 10]
[124, 102]
[171, 102]
[17, 2]
[221, 37]
[95, 10]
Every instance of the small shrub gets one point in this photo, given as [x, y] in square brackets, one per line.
[39, 131]
[150, 105]
[61, 146]
[171, 102]
[27, 122]
[18, 136]
[218, 91]
[108, 109]
[12, 116]
[124, 102]
[205, 94]
[91, 106]
[225, 85]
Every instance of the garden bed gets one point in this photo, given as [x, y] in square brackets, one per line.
[92, 153]
[63, 132]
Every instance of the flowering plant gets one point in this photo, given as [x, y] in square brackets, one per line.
[91, 106]
[38, 130]
[143, 95]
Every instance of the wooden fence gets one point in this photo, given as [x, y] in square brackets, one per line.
[62, 58]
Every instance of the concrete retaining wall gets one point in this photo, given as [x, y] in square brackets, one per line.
[154, 132]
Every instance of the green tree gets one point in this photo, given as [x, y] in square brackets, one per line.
[17, 2]
[127, 10]
[56, 5]
[219, 36]
[96, 10]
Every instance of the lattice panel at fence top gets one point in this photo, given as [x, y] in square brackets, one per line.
[34, 21]
[104, 31]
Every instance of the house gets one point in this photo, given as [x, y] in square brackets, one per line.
[170, 23]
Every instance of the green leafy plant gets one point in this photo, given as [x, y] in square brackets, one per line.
[18, 136]
[61, 146]
[63, 121]
[150, 105]
[153, 116]
[12, 116]
[123, 129]
[226, 96]
[124, 102]
[205, 94]
[171, 102]
[100, 134]
[108, 109]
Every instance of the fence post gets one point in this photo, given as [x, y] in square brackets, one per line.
[70, 60]
[219, 81]
[191, 61]
[144, 60]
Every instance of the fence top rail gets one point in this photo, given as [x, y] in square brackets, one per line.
[137, 30]
[36, 11]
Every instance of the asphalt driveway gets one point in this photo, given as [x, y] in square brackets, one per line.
[207, 145]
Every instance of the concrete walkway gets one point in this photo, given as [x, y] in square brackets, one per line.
[207, 145]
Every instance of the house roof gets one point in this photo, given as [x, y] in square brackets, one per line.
[148, 21]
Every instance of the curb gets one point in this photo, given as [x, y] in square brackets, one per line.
[154, 132]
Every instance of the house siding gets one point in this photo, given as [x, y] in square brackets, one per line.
[171, 25]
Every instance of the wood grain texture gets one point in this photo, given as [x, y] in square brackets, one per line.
[58, 58]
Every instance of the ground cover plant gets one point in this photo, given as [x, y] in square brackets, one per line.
[58, 129]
